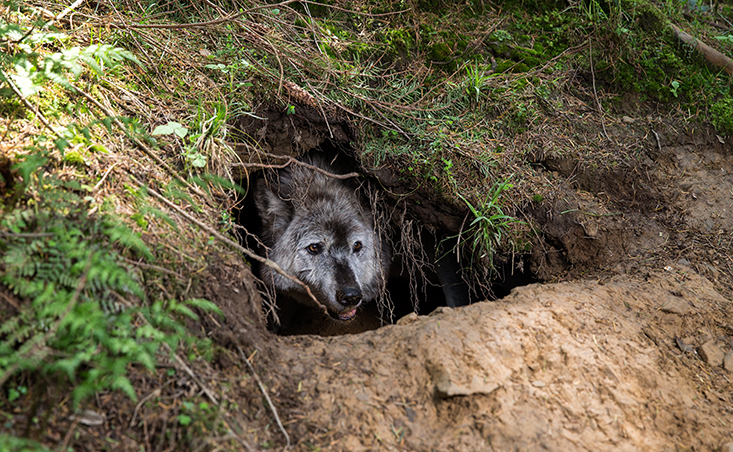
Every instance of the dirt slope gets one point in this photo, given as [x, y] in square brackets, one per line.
[570, 366]
[633, 351]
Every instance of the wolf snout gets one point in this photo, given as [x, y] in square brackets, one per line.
[349, 296]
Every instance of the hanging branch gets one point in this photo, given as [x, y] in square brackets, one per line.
[272, 264]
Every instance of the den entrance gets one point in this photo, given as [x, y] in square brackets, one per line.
[433, 263]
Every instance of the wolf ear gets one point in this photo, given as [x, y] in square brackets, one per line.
[275, 213]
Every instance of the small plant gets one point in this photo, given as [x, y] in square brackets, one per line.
[490, 225]
[27, 70]
[674, 86]
[82, 315]
[476, 80]
[190, 152]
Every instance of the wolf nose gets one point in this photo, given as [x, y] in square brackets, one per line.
[349, 296]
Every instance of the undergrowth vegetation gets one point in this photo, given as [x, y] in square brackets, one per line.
[77, 317]
[455, 98]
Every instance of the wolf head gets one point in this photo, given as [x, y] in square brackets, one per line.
[318, 229]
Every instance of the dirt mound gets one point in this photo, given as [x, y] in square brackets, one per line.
[570, 366]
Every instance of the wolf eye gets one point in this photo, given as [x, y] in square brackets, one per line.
[315, 248]
[358, 246]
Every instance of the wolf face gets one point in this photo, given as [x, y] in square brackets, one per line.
[319, 230]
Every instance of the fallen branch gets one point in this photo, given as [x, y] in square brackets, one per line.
[712, 56]
[267, 397]
[171, 172]
[291, 160]
[272, 264]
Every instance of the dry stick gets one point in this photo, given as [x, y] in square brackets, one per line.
[297, 162]
[140, 144]
[273, 265]
[63, 13]
[154, 267]
[713, 57]
[28, 105]
[264, 392]
[106, 173]
[595, 93]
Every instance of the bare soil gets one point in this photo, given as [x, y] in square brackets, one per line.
[627, 345]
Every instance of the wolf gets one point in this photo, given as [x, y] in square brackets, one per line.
[320, 230]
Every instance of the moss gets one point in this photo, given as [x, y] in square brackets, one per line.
[399, 42]
[440, 52]
[649, 18]
[529, 57]
[721, 115]
[504, 65]
[74, 158]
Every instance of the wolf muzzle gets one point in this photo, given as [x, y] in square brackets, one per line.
[350, 299]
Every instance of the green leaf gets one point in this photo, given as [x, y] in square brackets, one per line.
[204, 305]
[196, 159]
[170, 128]
[184, 419]
[123, 384]
[26, 78]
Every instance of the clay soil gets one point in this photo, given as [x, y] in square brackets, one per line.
[626, 345]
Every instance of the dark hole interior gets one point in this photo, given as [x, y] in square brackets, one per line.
[419, 290]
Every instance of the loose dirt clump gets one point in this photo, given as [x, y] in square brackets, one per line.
[627, 346]
[570, 366]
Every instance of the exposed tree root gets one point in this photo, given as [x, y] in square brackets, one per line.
[712, 56]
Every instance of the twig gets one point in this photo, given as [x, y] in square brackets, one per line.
[10, 301]
[272, 264]
[63, 13]
[106, 173]
[28, 105]
[140, 144]
[31, 235]
[267, 397]
[67, 437]
[190, 373]
[154, 267]
[656, 135]
[595, 93]
[291, 160]
[155, 393]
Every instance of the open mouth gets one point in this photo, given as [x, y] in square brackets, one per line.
[346, 316]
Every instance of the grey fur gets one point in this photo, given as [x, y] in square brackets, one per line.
[318, 229]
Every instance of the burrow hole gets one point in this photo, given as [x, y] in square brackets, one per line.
[418, 277]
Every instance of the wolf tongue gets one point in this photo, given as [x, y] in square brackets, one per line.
[348, 315]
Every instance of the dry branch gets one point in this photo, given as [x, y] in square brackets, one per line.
[712, 56]
[267, 397]
[272, 264]
[291, 160]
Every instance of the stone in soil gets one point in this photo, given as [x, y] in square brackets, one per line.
[711, 353]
